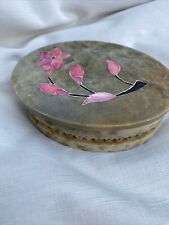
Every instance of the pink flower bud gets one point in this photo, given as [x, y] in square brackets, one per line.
[76, 72]
[113, 67]
[99, 97]
[52, 89]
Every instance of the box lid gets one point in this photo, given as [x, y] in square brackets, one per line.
[139, 107]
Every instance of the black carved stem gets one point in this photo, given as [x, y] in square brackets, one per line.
[124, 81]
[136, 86]
[71, 94]
[78, 95]
[51, 81]
[87, 89]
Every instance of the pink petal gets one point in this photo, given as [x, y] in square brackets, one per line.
[53, 89]
[99, 97]
[43, 62]
[40, 63]
[44, 59]
[47, 69]
[56, 52]
[113, 67]
[44, 54]
[56, 63]
[47, 72]
[65, 55]
[76, 72]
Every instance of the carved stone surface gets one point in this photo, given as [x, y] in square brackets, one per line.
[105, 126]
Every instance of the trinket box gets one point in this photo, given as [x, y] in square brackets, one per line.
[93, 95]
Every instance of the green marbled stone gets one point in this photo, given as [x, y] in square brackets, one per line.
[140, 108]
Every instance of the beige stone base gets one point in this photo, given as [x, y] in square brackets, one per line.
[83, 142]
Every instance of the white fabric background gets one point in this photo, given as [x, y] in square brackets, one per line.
[45, 183]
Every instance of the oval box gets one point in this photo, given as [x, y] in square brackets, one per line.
[105, 97]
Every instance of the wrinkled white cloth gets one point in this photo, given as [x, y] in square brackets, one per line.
[45, 183]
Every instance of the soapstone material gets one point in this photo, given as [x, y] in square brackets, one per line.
[120, 124]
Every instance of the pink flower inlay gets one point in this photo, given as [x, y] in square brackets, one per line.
[52, 89]
[113, 67]
[99, 97]
[76, 72]
[53, 59]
